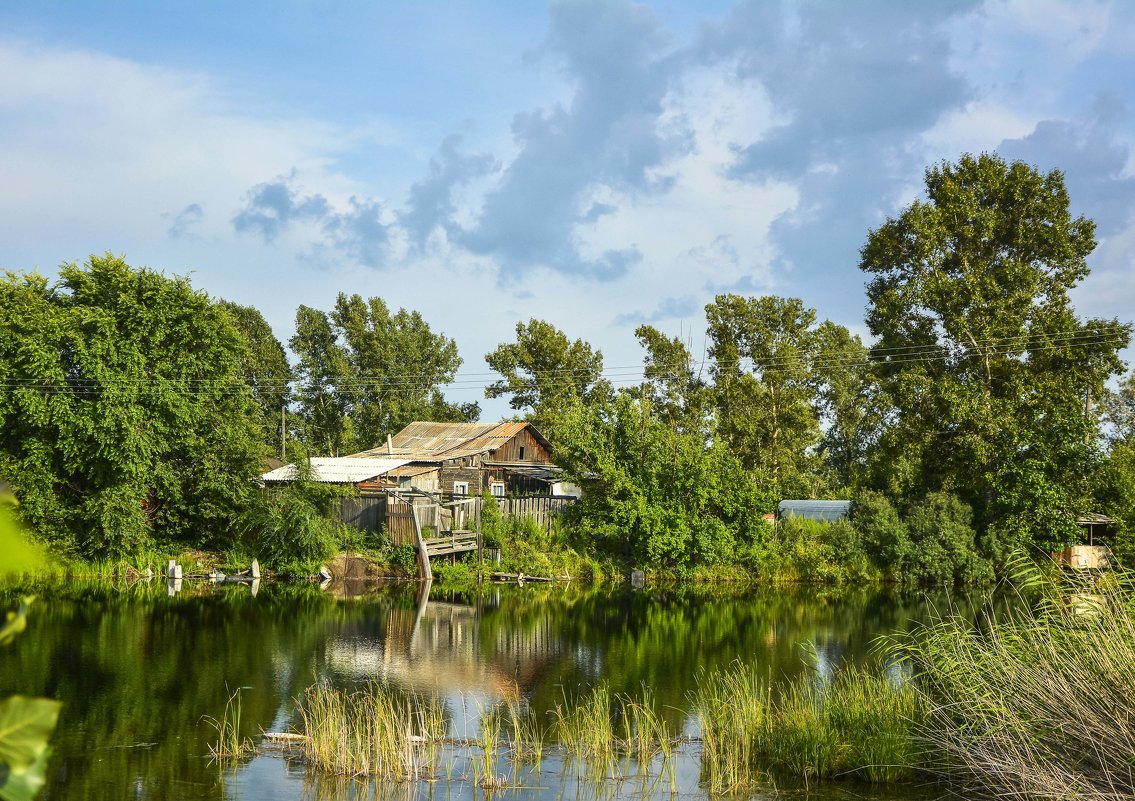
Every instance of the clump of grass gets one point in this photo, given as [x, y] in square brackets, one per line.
[375, 731]
[599, 728]
[229, 743]
[1037, 701]
[859, 723]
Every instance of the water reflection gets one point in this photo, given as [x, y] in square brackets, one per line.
[138, 667]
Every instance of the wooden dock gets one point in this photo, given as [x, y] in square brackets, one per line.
[452, 533]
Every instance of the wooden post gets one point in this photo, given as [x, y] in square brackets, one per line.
[424, 571]
[477, 522]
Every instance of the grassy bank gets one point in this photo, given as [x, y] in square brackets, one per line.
[1038, 702]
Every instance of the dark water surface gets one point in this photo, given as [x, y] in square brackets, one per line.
[138, 670]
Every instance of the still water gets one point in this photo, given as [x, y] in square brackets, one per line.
[139, 670]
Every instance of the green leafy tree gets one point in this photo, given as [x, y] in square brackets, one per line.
[674, 386]
[546, 375]
[265, 368]
[325, 379]
[365, 373]
[126, 420]
[848, 403]
[655, 493]
[765, 386]
[980, 350]
[1119, 411]
[399, 365]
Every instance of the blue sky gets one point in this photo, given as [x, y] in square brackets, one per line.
[594, 164]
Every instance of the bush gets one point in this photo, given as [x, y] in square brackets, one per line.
[943, 543]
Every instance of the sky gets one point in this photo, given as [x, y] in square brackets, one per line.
[597, 165]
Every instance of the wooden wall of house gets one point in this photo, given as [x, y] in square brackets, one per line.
[472, 475]
[533, 451]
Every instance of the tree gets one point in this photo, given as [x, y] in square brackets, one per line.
[979, 348]
[125, 418]
[764, 381]
[546, 374]
[674, 386]
[325, 380]
[365, 373]
[264, 365]
[847, 401]
[399, 366]
[1119, 411]
[659, 494]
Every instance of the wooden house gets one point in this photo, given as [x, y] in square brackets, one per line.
[470, 458]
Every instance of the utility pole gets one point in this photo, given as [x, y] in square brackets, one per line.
[283, 434]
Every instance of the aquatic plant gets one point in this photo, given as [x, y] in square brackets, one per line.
[375, 731]
[229, 743]
[856, 723]
[1037, 701]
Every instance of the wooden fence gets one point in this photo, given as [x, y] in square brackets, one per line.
[372, 512]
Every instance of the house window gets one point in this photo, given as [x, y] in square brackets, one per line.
[460, 487]
[522, 453]
[496, 488]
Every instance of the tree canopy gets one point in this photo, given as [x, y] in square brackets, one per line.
[979, 349]
[126, 416]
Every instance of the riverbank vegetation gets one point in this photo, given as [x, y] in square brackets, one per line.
[978, 421]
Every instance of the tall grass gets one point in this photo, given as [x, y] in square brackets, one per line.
[858, 723]
[375, 731]
[229, 743]
[1036, 702]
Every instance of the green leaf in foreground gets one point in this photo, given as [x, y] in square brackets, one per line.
[26, 725]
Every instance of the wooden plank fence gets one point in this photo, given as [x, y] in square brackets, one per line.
[371, 512]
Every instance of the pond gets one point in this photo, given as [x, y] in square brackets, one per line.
[141, 668]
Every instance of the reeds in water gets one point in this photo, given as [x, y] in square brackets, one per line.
[375, 731]
[1038, 702]
[229, 743]
[858, 723]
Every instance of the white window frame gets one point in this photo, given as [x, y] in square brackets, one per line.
[461, 488]
[494, 486]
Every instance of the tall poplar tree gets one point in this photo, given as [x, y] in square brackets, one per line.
[980, 350]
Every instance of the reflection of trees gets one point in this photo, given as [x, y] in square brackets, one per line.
[137, 670]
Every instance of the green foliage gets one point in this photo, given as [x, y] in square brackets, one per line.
[764, 385]
[819, 552]
[547, 374]
[655, 494]
[292, 528]
[130, 421]
[404, 557]
[943, 547]
[264, 366]
[365, 372]
[26, 725]
[884, 536]
[980, 351]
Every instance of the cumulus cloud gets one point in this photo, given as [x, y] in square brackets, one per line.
[674, 308]
[615, 57]
[272, 207]
[358, 233]
[184, 221]
[1094, 164]
[854, 89]
[431, 203]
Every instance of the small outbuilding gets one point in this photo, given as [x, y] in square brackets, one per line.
[822, 511]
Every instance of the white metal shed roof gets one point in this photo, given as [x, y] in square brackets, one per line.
[338, 470]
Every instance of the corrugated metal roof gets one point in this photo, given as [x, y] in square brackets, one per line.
[424, 441]
[338, 470]
[815, 510]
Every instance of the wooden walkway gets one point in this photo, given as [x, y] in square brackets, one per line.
[451, 518]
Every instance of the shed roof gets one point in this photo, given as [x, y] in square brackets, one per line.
[828, 511]
[425, 441]
[338, 470]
